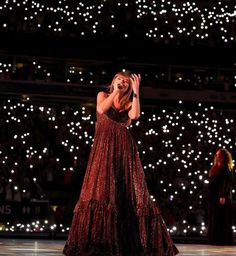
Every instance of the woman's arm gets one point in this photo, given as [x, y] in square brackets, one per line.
[104, 102]
[225, 185]
[215, 169]
[134, 112]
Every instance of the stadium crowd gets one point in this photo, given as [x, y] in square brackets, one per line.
[44, 147]
[44, 151]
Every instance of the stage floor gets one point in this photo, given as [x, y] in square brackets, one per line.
[54, 247]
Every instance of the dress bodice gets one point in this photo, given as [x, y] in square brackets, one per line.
[120, 117]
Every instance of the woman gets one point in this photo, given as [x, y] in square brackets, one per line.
[114, 214]
[220, 208]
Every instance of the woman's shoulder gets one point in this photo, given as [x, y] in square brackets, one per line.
[102, 94]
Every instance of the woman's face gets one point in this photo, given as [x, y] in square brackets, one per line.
[219, 156]
[122, 82]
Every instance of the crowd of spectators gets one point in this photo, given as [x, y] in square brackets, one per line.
[44, 151]
[98, 73]
[68, 23]
[170, 21]
[44, 148]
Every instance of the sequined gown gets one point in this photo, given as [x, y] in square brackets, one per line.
[114, 214]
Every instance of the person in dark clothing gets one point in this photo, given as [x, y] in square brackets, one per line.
[220, 199]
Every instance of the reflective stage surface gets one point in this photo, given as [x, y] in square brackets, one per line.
[40, 247]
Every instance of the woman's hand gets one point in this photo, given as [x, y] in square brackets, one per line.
[222, 200]
[135, 82]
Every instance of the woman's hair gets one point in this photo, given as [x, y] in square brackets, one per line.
[227, 158]
[127, 95]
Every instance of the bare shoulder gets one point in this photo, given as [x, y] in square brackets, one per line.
[102, 95]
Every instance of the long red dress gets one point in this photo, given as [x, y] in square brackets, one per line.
[115, 214]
